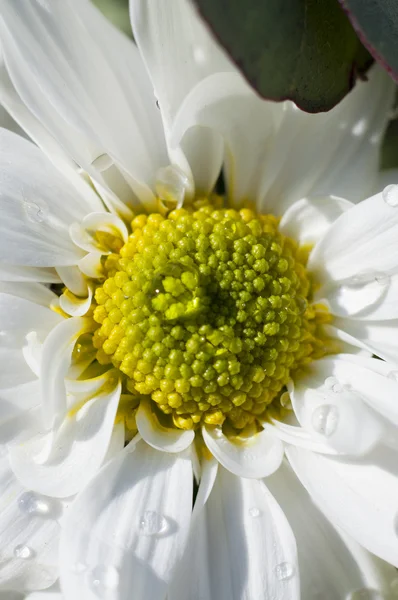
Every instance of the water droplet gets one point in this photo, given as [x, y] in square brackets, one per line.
[286, 401]
[157, 104]
[36, 213]
[360, 127]
[364, 594]
[172, 184]
[393, 375]
[332, 384]
[22, 551]
[390, 195]
[325, 419]
[284, 571]
[35, 504]
[152, 523]
[103, 579]
[254, 512]
[361, 279]
[102, 162]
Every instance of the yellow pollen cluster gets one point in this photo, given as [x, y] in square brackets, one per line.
[206, 311]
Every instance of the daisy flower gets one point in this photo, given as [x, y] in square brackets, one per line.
[166, 343]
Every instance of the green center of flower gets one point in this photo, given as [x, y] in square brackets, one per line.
[206, 311]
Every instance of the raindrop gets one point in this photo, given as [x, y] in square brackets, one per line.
[286, 401]
[22, 551]
[365, 278]
[152, 523]
[332, 384]
[325, 419]
[390, 195]
[364, 594]
[172, 184]
[35, 212]
[157, 104]
[102, 162]
[37, 505]
[254, 512]
[103, 579]
[284, 571]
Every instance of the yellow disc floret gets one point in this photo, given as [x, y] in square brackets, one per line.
[206, 312]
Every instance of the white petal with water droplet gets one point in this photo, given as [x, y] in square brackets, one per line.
[331, 564]
[237, 547]
[29, 539]
[103, 526]
[361, 240]
[341, 420]
[30, 236]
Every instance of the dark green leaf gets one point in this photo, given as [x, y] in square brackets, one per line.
[302, 50]
[376, 21]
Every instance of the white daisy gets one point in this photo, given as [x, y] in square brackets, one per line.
[187, 322]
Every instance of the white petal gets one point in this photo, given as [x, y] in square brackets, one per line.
[77, 449]
[20, 412]
[374, 380]
[307, 220]
[379, 337]
[254, 457]
[362, 240]
[29, 535]
[24, 308]
[358, 497]
[331, 567]
[102, 96]
[83, 234]
[330, 153]
[297, 436]
[214, 103]
[128, 527]
[73, 279]
[56, 359]
[41, 136]
[157, 436]
[13, 368]
[75, 306]
[241, 547]
[17, 273]
[91, 265]
[37, 205]
[335, 413]
[173, 40]
[44, 596]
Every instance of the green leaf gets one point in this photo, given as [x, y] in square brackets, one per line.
[302, 50]
[376, 21]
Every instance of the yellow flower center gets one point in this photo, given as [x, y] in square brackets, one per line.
[208, 312]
